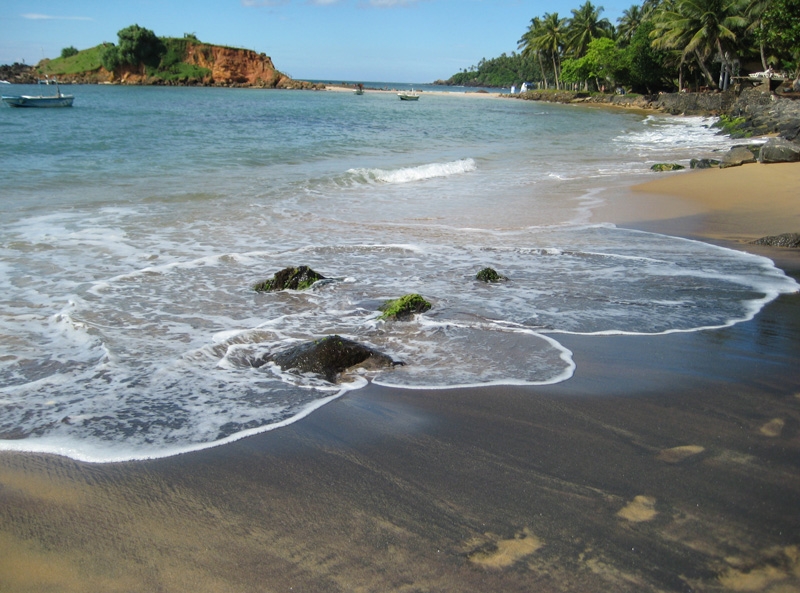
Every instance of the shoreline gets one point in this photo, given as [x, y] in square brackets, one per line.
[666, 463]
[733, 206]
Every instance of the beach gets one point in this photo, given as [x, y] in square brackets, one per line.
[665, 463]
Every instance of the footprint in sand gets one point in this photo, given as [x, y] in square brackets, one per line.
[641, 509]
[501, 553]
[773, 428]
[778, 570]
[678, 454]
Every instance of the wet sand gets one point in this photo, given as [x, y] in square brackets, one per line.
[667, 463]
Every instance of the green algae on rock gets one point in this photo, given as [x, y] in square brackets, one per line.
[489, 275]
[404, 307]
[299, 278]
[667, 167]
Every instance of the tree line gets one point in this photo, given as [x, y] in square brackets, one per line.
[660, 45]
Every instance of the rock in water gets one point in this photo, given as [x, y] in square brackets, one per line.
[299, 278]
[330, 356]
[489, 275]
[403, 308]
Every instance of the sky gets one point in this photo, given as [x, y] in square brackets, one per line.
[338, 40]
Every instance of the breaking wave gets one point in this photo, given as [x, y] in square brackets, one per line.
[411, 174]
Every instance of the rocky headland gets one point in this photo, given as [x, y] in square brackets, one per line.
[221, 66]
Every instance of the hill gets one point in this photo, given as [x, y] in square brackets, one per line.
[503, 71]
[184, 62]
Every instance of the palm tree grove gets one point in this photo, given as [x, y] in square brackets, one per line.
[658, 46]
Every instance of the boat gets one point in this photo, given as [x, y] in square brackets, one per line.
[408, 96]
[359, 89]
[42, 100]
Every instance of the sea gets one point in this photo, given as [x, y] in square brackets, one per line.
[135, 224]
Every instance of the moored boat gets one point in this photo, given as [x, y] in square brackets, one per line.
[408, 96]
[41, 100]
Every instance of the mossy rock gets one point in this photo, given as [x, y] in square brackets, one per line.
[404, 307]
[704, 163]
[489, 275]
[330, 356]
[299, 278]
[667, 167]
[733, 126]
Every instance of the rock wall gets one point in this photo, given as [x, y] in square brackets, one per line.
[696, 103]
[768, 113]
[635, 101]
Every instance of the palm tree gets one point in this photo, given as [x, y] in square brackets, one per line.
[551, 40]
[629, 21]
[651, 6]
[528, 46]
[546, 36]
[699, 28]
[584, 26]
[755, 9]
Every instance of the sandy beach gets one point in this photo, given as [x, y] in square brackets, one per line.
[393, 91]
[665, 464]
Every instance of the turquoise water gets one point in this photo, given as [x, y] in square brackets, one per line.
[135, 224]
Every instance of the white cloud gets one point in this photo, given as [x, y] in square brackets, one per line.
[47, 17]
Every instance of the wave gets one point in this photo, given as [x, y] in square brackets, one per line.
[411, 174]
[662, 136]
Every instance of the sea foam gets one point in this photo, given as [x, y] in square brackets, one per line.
[130, 325]
[412, 174]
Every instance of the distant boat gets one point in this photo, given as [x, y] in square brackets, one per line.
[57, 100]
[408, 96]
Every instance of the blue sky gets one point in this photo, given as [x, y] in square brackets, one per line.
[369, 40]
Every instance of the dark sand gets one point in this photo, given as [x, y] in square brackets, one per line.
[668, 463]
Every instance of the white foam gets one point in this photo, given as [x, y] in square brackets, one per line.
[133, 332]
[418, 173]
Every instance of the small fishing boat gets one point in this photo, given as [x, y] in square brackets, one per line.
[408, 96]
[42, 100]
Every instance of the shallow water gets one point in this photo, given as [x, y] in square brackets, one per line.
[136, 223]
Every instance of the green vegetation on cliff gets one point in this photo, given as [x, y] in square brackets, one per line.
[171, 65]
[139, 51]
[88, 60]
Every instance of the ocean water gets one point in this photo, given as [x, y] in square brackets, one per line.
[135, 224]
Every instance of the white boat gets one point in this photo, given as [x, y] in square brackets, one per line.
[408, 96]
[57, 100]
